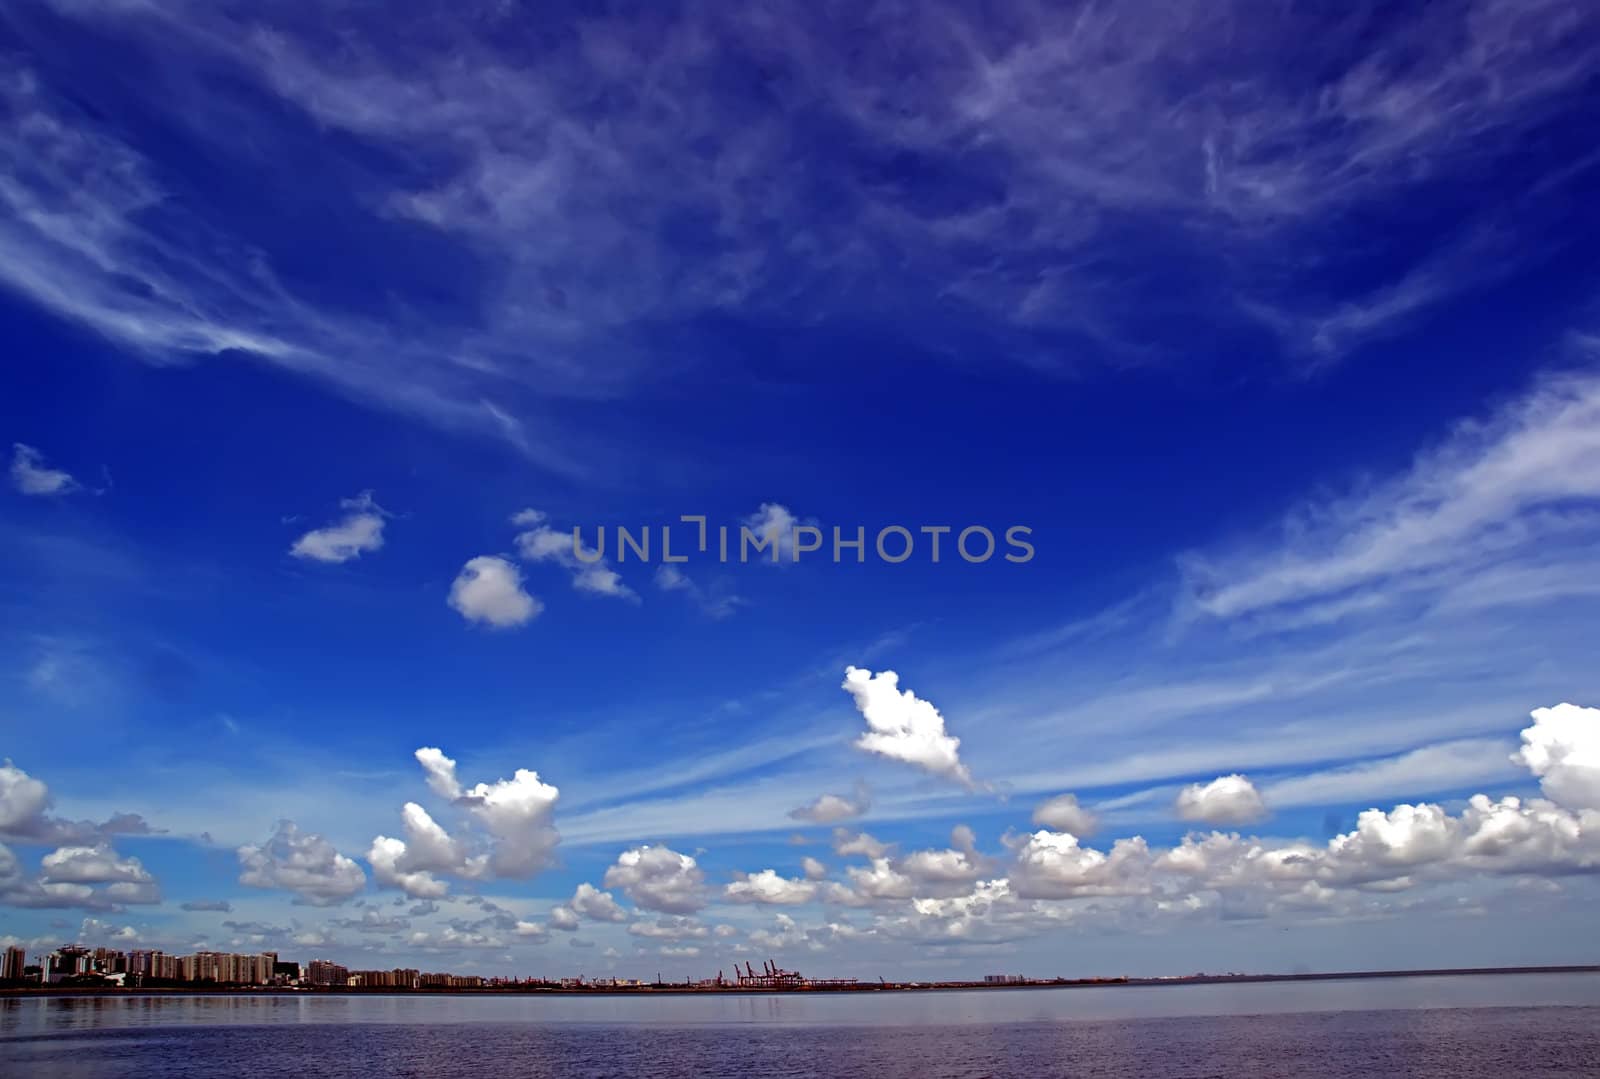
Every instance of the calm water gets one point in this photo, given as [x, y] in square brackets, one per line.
[1456, 1027]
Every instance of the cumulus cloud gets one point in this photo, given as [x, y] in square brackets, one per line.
[921, 873]
[769, 888]
[512, 834]
[829, 808]
[440, 772]
[903, 727]
[773, 526]
[24, 814]
[1562, 748]
[1231, 799]
[938, 867]
[879, 879]
[23, 801]
[534, 931]
[31, 476]
[489, 590]
[596, 905]
[91, 878]
[659, 879]
[1063, 814]
[564, 918]
[95, 929]
[1400, 848]
[410, 864]
[1056, 865]
[359, 531]
[591, 573]
[303, 863]
[848, 844]
[98, 864]
[516, 813]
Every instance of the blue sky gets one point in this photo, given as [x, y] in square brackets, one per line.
[1277, 331]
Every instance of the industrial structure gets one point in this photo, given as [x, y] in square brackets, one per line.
[773, 976]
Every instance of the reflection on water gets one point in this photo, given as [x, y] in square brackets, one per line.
[31, 1015]
[1483, 1026]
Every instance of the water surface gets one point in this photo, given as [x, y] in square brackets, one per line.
[1441, 1026]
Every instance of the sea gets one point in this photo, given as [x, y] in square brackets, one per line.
[1446, 1026]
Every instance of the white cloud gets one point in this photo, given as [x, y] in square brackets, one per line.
[1562, 748]
[564, 918]
[303, 863]
[91, 878]
[659, 878]
[879, 880]
[24, 814]
[769, 888]
[1229, 799]
[829, 808]
[596, 905]
[489, 590]
[1054, 865]
[902, 726]
[98, 864]
[359, 531]
[1462, 507]
[772, 525]
[590, 573]
[919, 873]
[514, 835]
[23, 802]
[814, 870]
[517, 814]
[440, 771]
[95, 929]
[847, 844]
[1063, 814]
[411, 864]
[1400, 849]
[31, 476]
[931, 868]
[531, 930]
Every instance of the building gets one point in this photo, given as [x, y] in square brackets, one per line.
[13, 964]
[1003, 979]
[67, 962]
[156, 966]
[322, 972]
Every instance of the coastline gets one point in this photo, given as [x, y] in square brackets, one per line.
[669, 989]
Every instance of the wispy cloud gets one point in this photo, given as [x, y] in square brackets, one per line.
[1520, 486]
[31, 476]
[1026, 172]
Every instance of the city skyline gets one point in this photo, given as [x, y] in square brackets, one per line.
[1270, 337]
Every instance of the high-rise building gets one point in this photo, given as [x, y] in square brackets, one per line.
[109, 961]
[12, 964]
[323, 972]
[66, 962]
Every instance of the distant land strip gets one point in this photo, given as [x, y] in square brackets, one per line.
[679, 988]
